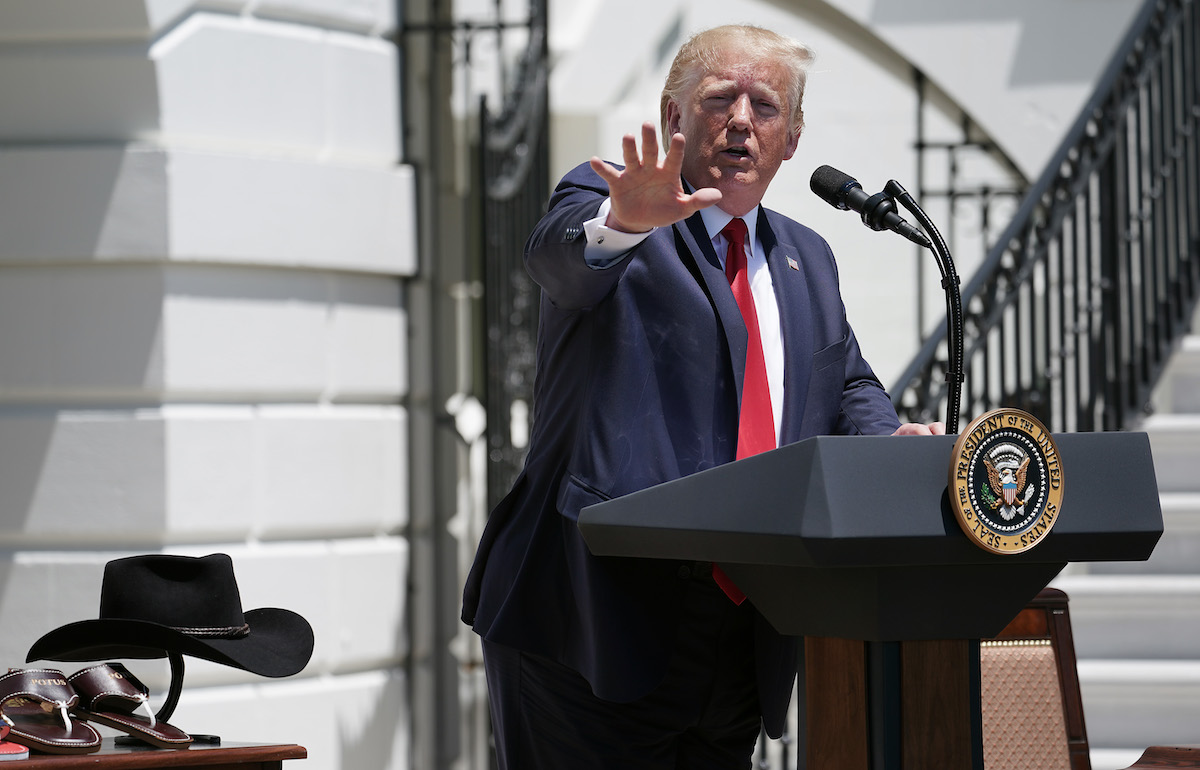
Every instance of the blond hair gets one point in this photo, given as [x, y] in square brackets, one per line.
[706, 51]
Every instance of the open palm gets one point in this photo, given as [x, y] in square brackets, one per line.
[648, 193]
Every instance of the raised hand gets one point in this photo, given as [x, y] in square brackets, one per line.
[646, 193]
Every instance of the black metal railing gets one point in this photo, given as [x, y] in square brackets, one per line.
[1074, 313]
[513, 186]
[965, 180]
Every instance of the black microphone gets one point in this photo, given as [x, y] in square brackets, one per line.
[878, 211]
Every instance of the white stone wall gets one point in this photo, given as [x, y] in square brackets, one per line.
[204, 230]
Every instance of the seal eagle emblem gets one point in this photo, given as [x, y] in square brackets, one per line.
[1007, 466]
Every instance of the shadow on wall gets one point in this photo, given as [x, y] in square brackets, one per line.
[1039, 54]
[371, 744]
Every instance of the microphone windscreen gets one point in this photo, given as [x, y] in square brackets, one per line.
[831, 184]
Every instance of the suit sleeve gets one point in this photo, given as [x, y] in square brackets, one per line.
[866, 407]
[554, 253]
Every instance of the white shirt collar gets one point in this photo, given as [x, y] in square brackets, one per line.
[715, 219]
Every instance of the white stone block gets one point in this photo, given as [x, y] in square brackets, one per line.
[129, 333]
[83, 477]
[336, 471]
[367, 338]
[292, 334]
[280, 87]
[87, 19]
[284, 472]
[80, 332]
[142, 202]
[117, 478]
[361, 98]
[267, 86]
[76, 94]
[211, 490]
[369, 621]
[82, 203]
[296, 213]
[230, 77]
[246, 331]
[378, 15]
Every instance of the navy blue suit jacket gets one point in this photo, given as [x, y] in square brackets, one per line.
[639, 378]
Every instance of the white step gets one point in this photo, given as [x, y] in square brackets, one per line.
[1137, 624]
[1128, 704]
[1179, 389]
[1175, 444]
[1151, 617]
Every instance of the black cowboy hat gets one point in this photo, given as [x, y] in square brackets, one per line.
[154, 605]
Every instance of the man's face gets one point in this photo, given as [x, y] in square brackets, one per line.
[737, 124]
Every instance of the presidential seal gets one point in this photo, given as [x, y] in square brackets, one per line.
[1006, 482]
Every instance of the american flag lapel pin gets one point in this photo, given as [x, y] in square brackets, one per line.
[793, 264]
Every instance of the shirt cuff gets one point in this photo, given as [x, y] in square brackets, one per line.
[605, 245]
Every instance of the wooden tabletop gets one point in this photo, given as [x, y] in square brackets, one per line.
[134, 756]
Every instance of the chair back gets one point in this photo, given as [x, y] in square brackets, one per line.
[1030, 698]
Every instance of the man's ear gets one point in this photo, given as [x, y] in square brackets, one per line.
[793, 143]
[673, 115]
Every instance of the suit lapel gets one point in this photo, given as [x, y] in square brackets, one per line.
[700, 258]
[791, 292]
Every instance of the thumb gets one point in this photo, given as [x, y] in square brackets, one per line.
[705, 197]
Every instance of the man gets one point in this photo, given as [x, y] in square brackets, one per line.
[652, 365]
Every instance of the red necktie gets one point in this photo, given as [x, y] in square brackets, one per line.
[756, 423]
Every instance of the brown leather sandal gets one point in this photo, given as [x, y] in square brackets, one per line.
[35, 704]
[109, 694]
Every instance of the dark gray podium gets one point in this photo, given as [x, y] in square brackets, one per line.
[852, 538]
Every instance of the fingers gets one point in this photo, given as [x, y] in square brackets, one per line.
[917, 429]
[648, 159]
[606, 171]
[674, 159]
[649, 145]
[630, 152]
[648, 192]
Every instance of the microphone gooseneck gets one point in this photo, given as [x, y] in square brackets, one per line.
[878, 212]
